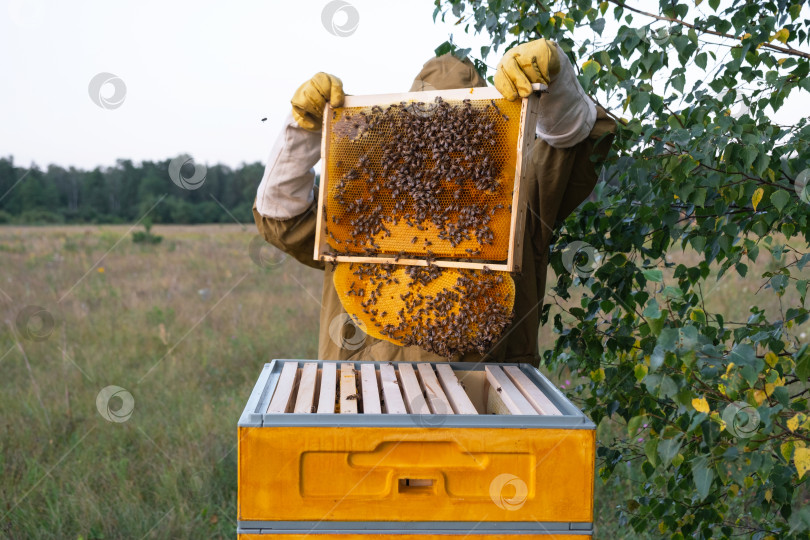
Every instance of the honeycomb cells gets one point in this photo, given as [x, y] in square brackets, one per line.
[425, 180]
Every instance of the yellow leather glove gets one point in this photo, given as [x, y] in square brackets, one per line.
[532, 62]
[311, 97]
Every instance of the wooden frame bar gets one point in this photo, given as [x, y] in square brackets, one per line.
[306, 388]
[284, 389]
[508, 392]
[455, 391]
[326, 399]
[391, 391]
[530, 391]
[348, 389]
[414, 398]
[436, 398]
[371, 393]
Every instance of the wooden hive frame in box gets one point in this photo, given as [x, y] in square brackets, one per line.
[515, 135]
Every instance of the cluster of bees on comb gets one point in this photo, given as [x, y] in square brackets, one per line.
[434, 168]
[440, 312]
[425, 156]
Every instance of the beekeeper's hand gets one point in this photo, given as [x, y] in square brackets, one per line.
[533, 62]
[312, 96]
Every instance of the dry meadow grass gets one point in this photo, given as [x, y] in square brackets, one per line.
[184, 326]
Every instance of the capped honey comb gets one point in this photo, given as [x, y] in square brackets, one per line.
[425, 178]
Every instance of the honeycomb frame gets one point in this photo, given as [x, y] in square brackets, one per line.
[521, 135]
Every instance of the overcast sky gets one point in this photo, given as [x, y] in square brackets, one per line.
[199, 75]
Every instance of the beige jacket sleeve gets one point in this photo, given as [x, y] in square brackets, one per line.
[286, 189]
[284, 210]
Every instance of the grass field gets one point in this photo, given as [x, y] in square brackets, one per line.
[183, 326]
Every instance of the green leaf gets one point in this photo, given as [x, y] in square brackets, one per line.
[803, 363]
[703, 475]
[657, 358]
[444, 48]
[679, 81]
[652, 310]
[653, 274]
[743, 355]
[780, 198]
[749, 154]
[668, 340]
[650, 450]
[633, 425]
[668, 449]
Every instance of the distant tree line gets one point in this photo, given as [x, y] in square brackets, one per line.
[124, 193]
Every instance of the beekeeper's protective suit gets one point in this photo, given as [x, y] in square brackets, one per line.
[573, 137]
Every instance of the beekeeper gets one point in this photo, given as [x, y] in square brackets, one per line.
[573, 137]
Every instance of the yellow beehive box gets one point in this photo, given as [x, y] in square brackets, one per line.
[364, 450]
[426, 176]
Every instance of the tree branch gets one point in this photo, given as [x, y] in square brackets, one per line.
[784, 50]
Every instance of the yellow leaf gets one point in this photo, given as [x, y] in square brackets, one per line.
[771, 359]
[701, 405]
[782, 35]
[801, 458]
[745, 36]
[793, 423]
[786, 449]
[598, 375]
[759, 396]
[748, 481]
[769, 389]
[781, 61]
[757, 197]
[589, 62]
[768, 495]
[734, 489]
